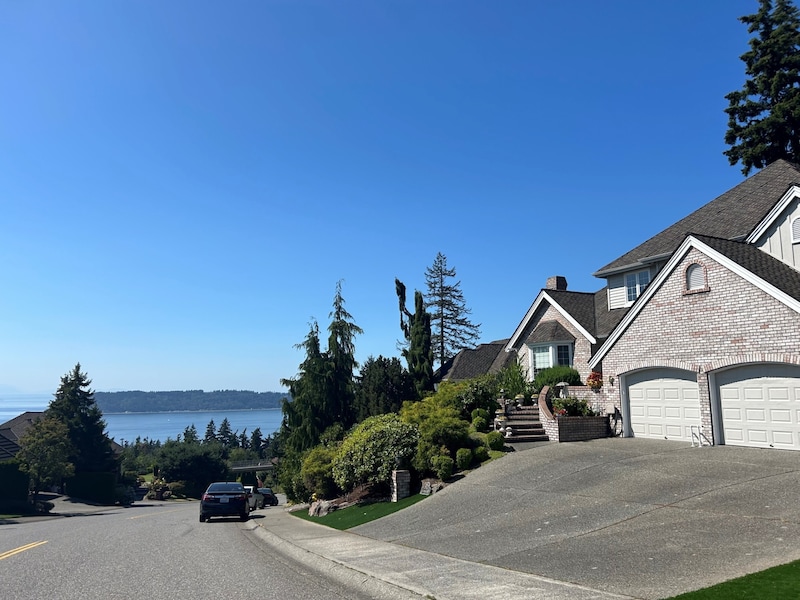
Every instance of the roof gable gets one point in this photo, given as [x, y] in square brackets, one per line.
[577, 307]
[473, 362]
[732, 216]
[759, 268]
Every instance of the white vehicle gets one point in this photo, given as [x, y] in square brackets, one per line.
[255, 498]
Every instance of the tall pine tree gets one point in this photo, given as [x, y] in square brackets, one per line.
[764, 116]
[452, 329]
[74, 405]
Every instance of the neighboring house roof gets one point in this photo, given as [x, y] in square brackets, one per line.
[11, 432]
[8, 448]
[474, 362]
[732, 216]
[549, 331]
[16, 427]
[766, 272]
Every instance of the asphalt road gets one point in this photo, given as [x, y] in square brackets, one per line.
[151, 550]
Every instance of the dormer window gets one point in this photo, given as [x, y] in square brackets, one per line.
[635, 284]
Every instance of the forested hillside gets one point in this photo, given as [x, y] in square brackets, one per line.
[195, 400]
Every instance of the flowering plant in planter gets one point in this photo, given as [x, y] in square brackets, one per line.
[572, 407]
[595, 380]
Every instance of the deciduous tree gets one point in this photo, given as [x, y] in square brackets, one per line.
[44, 454]
[452, 329]
[764, 116]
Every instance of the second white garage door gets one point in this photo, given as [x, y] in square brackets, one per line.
[663, 403]
[761, 406]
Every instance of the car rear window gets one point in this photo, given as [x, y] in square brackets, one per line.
[225, 487]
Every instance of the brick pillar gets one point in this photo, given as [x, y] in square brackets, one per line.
[401, 485]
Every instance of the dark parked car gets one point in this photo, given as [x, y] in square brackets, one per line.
[224, 499]
[269, 497]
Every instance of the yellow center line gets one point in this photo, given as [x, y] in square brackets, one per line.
[156, 513]
[21, 549]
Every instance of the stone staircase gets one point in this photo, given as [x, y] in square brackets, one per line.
[525, 425]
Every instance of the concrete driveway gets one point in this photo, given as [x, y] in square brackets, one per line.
[642, 518]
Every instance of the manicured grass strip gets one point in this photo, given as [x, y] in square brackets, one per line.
[777, 583]
[359, 514]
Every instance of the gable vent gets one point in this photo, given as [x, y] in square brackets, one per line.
[796, 231]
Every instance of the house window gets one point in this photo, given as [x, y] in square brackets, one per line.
[635, 283]
[796, 231]
[549, 355]
[695, 277]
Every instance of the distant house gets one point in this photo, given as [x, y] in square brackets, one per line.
[11, 432]
[474, 362]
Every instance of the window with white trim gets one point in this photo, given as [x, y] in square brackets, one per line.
[545, 356]
[635, 283]
[695, 277]
[796, 230]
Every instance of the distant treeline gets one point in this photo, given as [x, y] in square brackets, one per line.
[195, 400]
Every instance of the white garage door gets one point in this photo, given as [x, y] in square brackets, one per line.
[761, 406]
[663, 403]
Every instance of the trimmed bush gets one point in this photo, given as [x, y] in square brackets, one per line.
[317, 471]
[443, 467]
[463, 459]
[555, 375]
[572, 407]
[481, 454]
[495, 440]
[479, 424]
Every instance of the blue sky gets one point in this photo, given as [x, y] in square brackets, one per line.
[183, 183]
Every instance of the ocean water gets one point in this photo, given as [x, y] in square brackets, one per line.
[155, 426]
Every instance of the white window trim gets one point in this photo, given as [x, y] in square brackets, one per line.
[639, 287]
[552, 348]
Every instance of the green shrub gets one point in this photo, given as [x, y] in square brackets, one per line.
[317, 471]
[495, 440]
[480, 424]
[443, 467]
[555, 375]
[480, 412]
[572, 407]
[481, 454]
[463, 459]
[373, 449]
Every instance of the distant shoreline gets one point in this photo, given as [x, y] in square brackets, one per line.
[183, 412]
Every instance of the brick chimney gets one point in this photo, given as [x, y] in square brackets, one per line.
[557, 282]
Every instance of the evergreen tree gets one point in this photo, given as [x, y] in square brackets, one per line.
[190, 435]
[225, 435]
[417, 331]
[211, 433]
[451, 328]
[322, 392]
[764, 116]
[341, 359]
[74, 405]
[257, 442]
[382, 387]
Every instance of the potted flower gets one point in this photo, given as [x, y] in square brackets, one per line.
[595, 380]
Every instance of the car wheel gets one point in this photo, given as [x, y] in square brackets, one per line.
[263, 504]
[244, 516]
[202, 518]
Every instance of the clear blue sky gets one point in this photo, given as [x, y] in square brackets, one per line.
[183, 183]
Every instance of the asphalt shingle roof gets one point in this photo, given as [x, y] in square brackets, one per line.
[758, 262]
[474, 362]
[731, 216]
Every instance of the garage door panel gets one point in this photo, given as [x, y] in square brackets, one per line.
[663, 403]
[760, 405]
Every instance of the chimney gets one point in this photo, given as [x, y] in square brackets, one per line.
[557, 282]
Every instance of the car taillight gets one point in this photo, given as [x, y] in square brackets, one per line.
[207, 497]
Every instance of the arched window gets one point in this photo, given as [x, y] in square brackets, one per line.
[695, 277]
[796, 230]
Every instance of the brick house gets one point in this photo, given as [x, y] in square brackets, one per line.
[697, 330]
[710, 346]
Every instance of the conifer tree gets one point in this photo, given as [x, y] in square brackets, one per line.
[764, 116]
[452, 329]
[74, 405]
[416, 328]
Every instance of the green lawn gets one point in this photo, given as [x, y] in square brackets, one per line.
[360, 513]
[777, 583]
